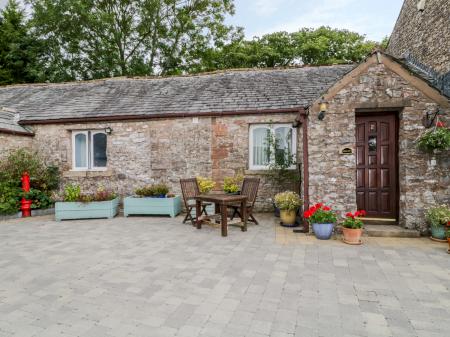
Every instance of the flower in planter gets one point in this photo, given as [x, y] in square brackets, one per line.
[320, 213]
[205, 185]
[232, 184]
[288, 201]
[352, 219]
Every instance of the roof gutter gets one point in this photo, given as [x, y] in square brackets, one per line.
[159, 116]
[17, 133]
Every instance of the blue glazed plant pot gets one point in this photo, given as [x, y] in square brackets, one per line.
[323, 231]
[439, 232]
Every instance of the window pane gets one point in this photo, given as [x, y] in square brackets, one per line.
[80, 150]
[260, 146]
[99, 150]
[283, 136]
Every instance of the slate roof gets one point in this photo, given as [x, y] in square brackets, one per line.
[9, 123]
[236, 90]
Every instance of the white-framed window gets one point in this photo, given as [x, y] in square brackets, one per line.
[89, 150]
[267, 141]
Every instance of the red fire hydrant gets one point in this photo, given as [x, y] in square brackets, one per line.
[25, 204]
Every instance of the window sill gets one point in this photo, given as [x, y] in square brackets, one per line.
[88, 173]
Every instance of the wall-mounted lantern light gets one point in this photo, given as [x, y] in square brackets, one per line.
[108, 130]
[429, 117]
[323, 105]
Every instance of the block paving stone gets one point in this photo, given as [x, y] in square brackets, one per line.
[146, 276]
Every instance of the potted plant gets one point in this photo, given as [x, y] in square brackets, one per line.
[352, 227]
[322, 219]
[152, 200]
[288, 202]
[231, 185]
[448, 236]
[205, 185]
[438, 218]
[435, 139]
[76, 205]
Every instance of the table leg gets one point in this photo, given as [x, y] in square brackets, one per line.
[198, 211]
[224, 224]
[244, 216]
[216, 211]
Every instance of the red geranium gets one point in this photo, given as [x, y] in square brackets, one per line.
[320, 213]
[440, 124]
[326, 208]
[349, 215]
[351, 221]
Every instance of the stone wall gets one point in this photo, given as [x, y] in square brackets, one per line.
[424, 34]
[163, 150]
[10, 142]
[423, 179]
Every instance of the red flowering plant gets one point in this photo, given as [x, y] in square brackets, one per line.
[352, 219]
[320, 213]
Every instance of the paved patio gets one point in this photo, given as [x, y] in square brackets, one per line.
[156, 277]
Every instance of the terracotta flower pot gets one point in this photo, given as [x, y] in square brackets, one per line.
[288, 216]
[352, 236]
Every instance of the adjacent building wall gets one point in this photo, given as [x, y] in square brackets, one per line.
[424, 34]
[10, 142]
[424, 179]
[162, 150]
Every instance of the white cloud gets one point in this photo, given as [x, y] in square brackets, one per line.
[333, 13]
[267, 7]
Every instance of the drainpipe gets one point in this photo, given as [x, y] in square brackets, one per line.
[304, 120]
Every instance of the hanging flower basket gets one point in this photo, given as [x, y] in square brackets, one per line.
[437, 138]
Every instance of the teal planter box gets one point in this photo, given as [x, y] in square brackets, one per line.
[86, 210]
[152, 206]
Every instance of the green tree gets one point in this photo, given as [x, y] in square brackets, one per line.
[18, 48]
[319, 46]
[101, 38]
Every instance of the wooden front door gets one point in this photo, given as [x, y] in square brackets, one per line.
[376, 165]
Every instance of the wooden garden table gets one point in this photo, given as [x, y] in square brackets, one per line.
[221, 202]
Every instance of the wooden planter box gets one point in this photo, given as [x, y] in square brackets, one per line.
[152, 206]
[86, 210]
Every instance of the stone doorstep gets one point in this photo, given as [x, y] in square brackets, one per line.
[390, 231]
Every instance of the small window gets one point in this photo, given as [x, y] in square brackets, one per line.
[270, 143]
[89, 150]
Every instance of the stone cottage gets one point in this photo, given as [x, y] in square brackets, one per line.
[352, 128]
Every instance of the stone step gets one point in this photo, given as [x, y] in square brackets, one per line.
[390, 231]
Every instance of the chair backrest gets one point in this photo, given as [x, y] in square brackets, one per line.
[189, 188]
[250, 189]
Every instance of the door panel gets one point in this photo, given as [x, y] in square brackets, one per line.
[376, 165]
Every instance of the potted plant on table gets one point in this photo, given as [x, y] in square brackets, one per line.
[288, 202]
[438, 218]
[77, 205]
[322, 219]
[152, 200]
[352, 227]
[205, 185]
[231, 185]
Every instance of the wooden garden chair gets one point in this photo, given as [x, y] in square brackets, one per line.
[190, 190]
[250, 190]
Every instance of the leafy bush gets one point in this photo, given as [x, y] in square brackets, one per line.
[438, 215]
[434, 139]
[352, 221]
[232, 184]
[205, 184]
[288, 201]
[43, 180]
[319, 213]
[152, 190]
[9, 198]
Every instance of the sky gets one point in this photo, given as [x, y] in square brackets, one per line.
[375, 19]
